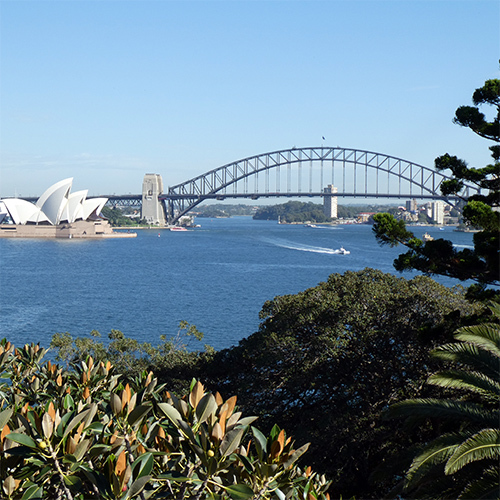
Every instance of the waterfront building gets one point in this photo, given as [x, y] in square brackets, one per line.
[58, 213]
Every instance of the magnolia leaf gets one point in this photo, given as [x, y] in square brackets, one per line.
[207, 406]
[231, 441]
[121, 463]
[239, 491]
[81, 449]
[138, 413]
[187, 431]
[296, 455]
[116, 403]
[143, 465]
[196, 394]
[138, 485]
[247, 420]
[9, 485]
[33, 492]
[76, 420]
[171, 413]
[217, 433]
[74, 481]
[5, 417]
[260, 442]
[22, 439]
[91, 413]
[68, 402]
[229, 405]
[47, 425]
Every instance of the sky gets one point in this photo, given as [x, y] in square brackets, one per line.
[106, 91]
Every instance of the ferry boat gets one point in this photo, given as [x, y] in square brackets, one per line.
[177, 228]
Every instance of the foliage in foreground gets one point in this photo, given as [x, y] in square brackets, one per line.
[84, 433]
[326, 362]
[463, 463]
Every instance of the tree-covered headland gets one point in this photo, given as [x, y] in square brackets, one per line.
[390, 387]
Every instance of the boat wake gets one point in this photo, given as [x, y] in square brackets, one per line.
[306, 248]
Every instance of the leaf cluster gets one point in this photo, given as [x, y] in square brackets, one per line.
[327, 361]
[88, 433]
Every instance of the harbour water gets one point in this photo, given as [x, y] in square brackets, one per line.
[216, 277]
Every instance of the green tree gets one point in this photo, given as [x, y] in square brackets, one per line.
[464, 461]
[481, 210]
[326, 362]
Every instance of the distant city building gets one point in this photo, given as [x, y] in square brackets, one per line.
[330, 202]
[152, 208]
[437, 213]
[411, 205]
[364, 217]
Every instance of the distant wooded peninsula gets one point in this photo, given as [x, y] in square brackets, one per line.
[290, 212]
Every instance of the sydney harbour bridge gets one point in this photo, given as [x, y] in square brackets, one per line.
[298, 172]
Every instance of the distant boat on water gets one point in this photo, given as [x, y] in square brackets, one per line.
[177, 228]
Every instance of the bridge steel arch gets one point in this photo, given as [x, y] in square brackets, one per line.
[307, 171]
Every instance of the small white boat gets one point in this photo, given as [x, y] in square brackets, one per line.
[177, 228]
[427, 237]
[341, 251]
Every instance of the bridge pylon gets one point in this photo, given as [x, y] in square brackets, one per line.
[152, 209]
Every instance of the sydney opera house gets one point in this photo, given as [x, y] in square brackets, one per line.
[58, 213]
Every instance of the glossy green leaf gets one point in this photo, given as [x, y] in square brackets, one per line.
[171, 412]
[72, 481]
[231, 441]
[206, 407]
[296, 455]
[143, 465]
[239, 491]
[33, 492]
[137, 486]
[138, 413]
[74, 422]
[260, 442]
[22, 439]
[5, 417]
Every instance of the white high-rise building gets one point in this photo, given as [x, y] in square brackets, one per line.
[330, 202]
[438, 212]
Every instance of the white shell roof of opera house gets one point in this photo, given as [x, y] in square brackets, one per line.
[56, 205]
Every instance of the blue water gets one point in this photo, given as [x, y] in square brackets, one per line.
[216, 277]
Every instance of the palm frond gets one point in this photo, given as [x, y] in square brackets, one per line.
[438, 451]
[472, 381]
[444, 408]
[487, 487]
[469, 355]
[481, 446]
[486, 336]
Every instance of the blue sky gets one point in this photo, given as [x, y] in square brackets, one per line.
[106, 91]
